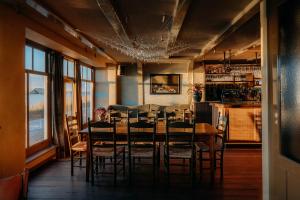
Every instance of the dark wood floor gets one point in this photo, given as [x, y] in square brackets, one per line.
[242, 181]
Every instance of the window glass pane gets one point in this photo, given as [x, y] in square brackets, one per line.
[88, 100]
[26, 110]
[69, 99]
[84, 73]
[39, 60]
[83, 95]
[28, 57]
[37, 108]
[65, 67]
[89, 76]
[71, 69]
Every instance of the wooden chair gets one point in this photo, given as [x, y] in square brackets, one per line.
[142, 145]
[220, 141]
[103, 145]
[179, 144]
[76, 147]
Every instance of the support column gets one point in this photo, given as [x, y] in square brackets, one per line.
[140, 81]
[12, 93]
[112, 83]
[266, 102]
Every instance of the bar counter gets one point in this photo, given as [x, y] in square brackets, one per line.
[244, 120]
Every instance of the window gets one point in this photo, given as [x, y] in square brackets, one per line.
[69, 87]
[86, 93]
[36, 96]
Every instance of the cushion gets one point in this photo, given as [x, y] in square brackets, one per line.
[180, 152]
[142, 152]
[79, 146]
[107, 151]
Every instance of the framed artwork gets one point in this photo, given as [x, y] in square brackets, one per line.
[165, 84]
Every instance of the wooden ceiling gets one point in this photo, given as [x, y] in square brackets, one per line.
[210, 26]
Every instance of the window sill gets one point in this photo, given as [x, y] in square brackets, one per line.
[41, 157]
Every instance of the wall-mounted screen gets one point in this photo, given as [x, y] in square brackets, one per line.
[165, 84]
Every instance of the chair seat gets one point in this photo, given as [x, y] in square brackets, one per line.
[79, 146]
[180, 152]
[107, 151]
[145, 152]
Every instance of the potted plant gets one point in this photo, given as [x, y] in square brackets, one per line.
[196, 91]
[100, 113]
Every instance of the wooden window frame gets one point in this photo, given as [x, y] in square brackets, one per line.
[68, 79]
[44, 143]
[81, 64]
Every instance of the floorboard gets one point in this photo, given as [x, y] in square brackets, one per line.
[242, 180]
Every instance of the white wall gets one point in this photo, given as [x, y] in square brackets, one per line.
[166, 68]
[128, 87]
[102, 88]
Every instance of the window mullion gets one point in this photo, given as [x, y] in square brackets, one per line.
[27, 109]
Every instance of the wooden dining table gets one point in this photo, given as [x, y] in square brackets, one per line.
[204, 132]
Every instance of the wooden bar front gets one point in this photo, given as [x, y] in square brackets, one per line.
[244, 121]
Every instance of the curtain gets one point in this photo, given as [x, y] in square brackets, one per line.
[78, 92]
[57, 101]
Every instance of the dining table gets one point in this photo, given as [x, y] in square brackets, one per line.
[204, 132]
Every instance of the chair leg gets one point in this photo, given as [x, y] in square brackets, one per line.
[158, 161]
[168, 170]
[221, 164]
[153, 167]
[72, 163]
[115, 170]
[129, 168]
[92, 169]
[215, 161]
[192, 170]
[124, 163]
[201, 163]
[97, 164]
[80, 159]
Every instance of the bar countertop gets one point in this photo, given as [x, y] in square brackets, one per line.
[243, 104]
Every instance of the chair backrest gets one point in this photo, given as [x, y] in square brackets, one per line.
[72, 130]
[180, 132]
[101, 134]
[222, 125]
[141, 132]
[101, 131]
[222, 122]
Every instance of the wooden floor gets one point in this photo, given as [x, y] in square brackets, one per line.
[242, 181]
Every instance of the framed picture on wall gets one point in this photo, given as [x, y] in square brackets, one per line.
[165, 84]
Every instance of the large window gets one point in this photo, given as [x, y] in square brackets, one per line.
[69, 87]
[36, 77]
[86, 93]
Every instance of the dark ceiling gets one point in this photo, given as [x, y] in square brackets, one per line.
[202, 21]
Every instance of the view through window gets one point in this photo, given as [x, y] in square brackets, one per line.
[86, 93]
[36, 96]
[69, 86]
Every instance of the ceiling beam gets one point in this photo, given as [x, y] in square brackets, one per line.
[179, 14]
[247, 47]
[249, 11]
[113, 18]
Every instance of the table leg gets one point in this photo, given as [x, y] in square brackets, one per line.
[212, 157]
[87, 169]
